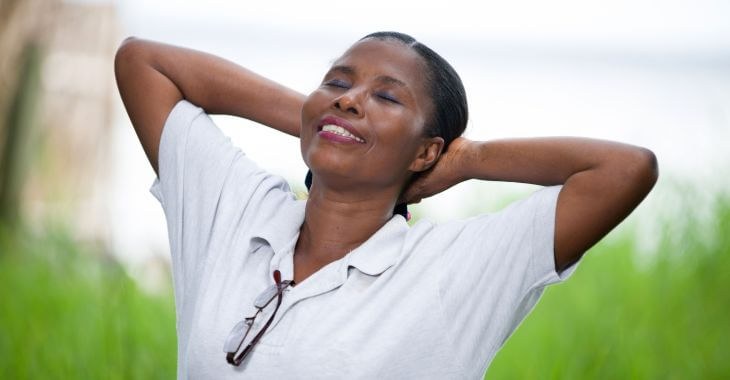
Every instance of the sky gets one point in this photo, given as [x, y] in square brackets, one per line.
[649, 73]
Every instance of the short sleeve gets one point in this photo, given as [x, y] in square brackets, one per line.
[196, 163]
[494, 270]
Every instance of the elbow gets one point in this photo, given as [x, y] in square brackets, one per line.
[131, 43]
[130, 53]
[129, 39]
[127, 47]
[651, 167]
[644, 168]
[130, 50]
[124, 55]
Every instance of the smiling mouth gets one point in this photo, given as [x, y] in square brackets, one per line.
[340, 131]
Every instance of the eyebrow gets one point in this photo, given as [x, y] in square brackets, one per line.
[349, 70]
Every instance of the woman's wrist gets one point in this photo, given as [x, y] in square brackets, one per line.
[523, 160]
[466, 151]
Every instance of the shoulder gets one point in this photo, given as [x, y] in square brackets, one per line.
[533, 212]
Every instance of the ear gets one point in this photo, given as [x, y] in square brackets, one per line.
[427, 154]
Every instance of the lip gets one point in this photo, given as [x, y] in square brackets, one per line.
[342, 123]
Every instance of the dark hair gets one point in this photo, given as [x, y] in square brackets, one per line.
[450, 110]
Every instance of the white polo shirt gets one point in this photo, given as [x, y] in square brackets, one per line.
[431, 301]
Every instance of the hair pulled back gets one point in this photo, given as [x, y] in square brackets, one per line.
[450, 110]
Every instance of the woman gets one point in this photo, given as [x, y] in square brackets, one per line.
[338, 285]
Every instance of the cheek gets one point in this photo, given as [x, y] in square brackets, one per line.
[308, 108]
[312, 107]
[316, 103]
[396, 143]
[396, 126]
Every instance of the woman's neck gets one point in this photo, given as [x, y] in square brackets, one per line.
[334, 226]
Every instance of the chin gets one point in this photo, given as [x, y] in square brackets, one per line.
[322, 159]
[329, 169]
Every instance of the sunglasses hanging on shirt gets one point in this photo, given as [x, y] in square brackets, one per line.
[241, 330]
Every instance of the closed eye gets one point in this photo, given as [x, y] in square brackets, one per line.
[337, 83]
[387, 97]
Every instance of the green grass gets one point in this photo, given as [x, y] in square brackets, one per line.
[70, 313]
[77, 315]
[615, 320]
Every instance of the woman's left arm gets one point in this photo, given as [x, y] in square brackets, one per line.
[603, 181]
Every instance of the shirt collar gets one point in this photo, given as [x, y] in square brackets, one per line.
[280, 229]
[382, 249]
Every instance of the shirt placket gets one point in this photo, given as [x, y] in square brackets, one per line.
[326, 279]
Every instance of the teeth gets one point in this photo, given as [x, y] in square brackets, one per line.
[336, 129]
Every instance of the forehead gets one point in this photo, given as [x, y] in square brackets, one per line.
[386, 57]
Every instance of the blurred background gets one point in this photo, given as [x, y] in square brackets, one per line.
[84, 259]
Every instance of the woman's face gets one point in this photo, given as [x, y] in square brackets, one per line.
[377, 92]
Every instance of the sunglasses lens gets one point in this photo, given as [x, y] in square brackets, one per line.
[264, 298]
[236, 335]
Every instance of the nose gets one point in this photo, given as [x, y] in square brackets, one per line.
[349, 102]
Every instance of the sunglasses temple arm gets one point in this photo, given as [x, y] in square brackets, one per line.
[258, 336]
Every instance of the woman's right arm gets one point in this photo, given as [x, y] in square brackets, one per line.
[152, 77]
